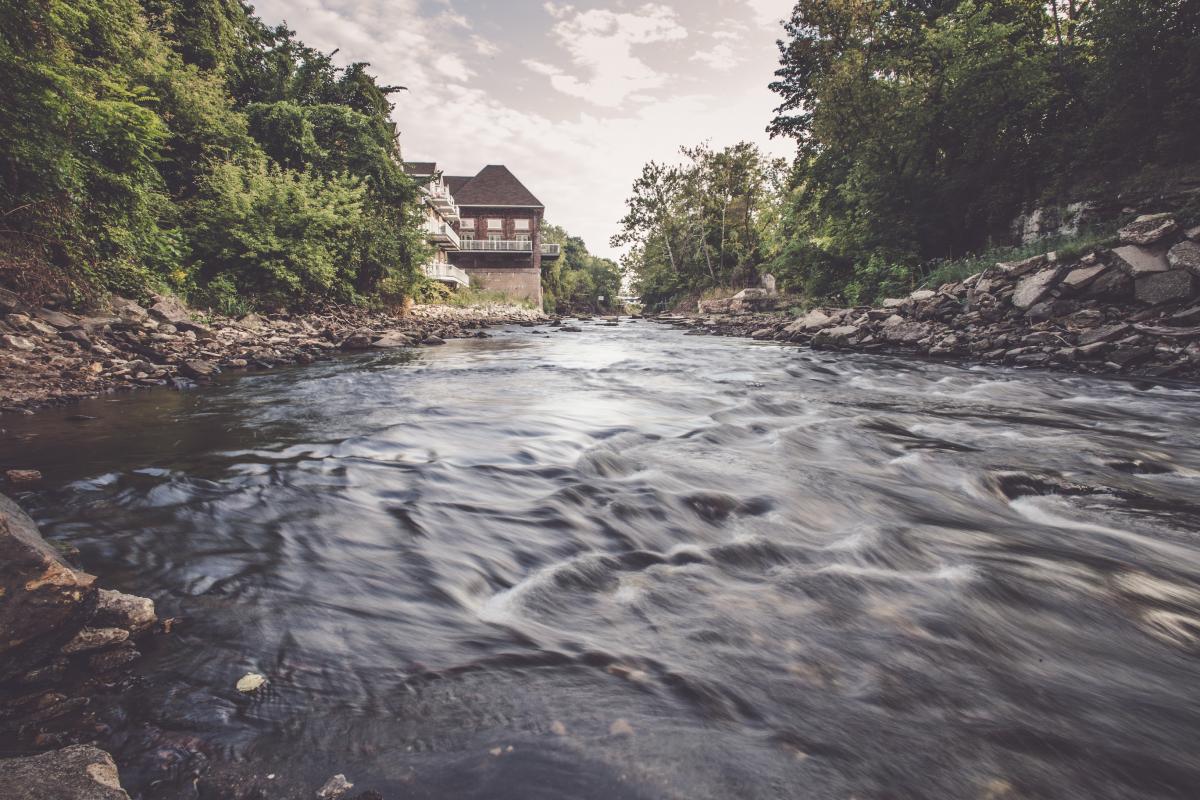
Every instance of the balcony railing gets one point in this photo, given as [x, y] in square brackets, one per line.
[442, 200]
[508, 246]
[443, 234]
[447, 273]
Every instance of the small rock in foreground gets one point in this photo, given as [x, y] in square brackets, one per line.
[20, 476]
[250, 682]
[334, 787]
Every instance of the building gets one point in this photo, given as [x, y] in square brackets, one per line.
[441, 219]
[500, 231]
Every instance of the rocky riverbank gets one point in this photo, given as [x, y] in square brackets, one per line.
[50, 356]
[1130, 310]
[65, 640]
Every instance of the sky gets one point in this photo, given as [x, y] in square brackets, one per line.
[572, 97]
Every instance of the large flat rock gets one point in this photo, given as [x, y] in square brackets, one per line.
[79, 772]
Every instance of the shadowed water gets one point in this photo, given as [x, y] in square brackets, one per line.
[632, 564]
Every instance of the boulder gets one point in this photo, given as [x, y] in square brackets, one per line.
[1107, 333]
[89, 639]
[17, 342]
[1034, 288]
[436, 340]
[1193, 233]
[169, 309]
[1165, 287]
[921, 295]
[1185, 255]
[119, 610]
[1082, 277]
[393, 339]
[127, 309]
[904, 333]
[356, 341]
[199, 369]
[839, 336]
[43, 602]
[1186, 318]
[79, 772]
[812, 321]
[1148, 229]
[1015, 269]
[56, 319]
[1139, 261]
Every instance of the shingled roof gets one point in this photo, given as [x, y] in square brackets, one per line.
[420, 169]
[493, 186]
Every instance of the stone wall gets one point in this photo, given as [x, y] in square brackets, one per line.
[519, 283]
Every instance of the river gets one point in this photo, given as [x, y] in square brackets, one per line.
[629, 563]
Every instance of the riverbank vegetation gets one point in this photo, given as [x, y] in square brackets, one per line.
[187, 146]
[923, 129]
[577, 281]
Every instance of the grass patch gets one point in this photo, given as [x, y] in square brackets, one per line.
[1069, 248]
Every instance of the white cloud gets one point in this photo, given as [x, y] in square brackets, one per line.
[600, 44]
[721, 58]
[452, 67]
[484, 47]
[768, 13]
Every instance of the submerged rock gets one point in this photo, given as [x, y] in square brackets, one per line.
[79, 772]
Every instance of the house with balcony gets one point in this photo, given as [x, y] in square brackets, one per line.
[441, 217]
[500, 233]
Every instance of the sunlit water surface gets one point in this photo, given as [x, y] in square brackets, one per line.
[628, 563]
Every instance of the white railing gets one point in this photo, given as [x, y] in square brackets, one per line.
[442, 200]
[447, 273]
[507, 246]
[442, 233]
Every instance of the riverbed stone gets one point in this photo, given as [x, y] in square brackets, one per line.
[168, 308]
[1185, 255]
[22, 476]
[1148, 229]
[1015, 269]
[838, 336]
[392, 340]
[1081, 277]
[44, 602]
[119, 610]
[1138, 261]
[1165, 287]
[18, 342]
[78, 772]
[199, 369]
[360, 340]
[89, 639]
[1034, 288]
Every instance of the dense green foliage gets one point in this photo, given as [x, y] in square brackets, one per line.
[707, 222]
[923, 127]
[577, 280]
[186, 145]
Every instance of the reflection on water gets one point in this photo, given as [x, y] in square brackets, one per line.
[629, 564]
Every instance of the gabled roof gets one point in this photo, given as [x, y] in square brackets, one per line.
[420, 169]
[493, 186]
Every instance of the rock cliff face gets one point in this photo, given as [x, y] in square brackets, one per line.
[1132, 310]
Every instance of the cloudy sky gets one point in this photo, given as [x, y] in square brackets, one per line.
[573, 97]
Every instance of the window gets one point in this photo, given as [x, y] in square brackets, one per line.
[468, 236]
[493, 237]
[467, 224]
[495, 224]
[523, 237]
[521, 224]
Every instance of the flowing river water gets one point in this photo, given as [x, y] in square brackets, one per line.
[627, 563]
